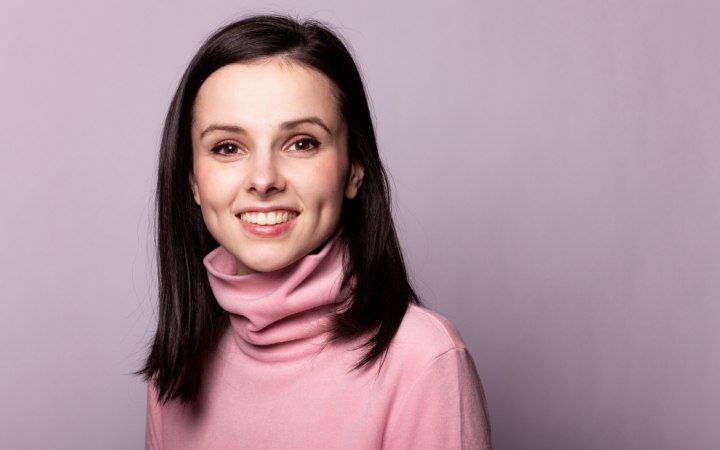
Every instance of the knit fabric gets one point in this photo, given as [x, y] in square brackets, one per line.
[276, 382]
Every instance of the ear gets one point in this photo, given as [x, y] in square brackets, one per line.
[194, 188]
[355, 179]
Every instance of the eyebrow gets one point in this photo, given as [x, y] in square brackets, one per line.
[289, 125]
[314, 120]
[229, 128]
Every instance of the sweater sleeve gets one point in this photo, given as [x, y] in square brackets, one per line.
[153, 429]
[444, 408]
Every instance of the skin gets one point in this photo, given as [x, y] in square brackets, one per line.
[268, 135]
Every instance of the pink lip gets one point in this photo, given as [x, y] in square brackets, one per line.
[267, 230]
[266, 209]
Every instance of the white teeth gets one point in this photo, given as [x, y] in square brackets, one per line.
[269, 218]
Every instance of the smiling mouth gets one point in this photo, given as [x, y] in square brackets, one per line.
[268, 218]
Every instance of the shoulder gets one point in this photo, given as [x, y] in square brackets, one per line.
[425, 335]
[429, 328]
[437, 394]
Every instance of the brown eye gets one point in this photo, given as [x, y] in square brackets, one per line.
[227, 148]
[305, 144]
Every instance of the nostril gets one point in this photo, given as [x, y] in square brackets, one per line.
[264, 178]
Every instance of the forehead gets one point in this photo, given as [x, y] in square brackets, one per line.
[265, 92]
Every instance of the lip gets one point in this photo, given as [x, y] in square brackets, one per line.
[267, 231]
[266, 209]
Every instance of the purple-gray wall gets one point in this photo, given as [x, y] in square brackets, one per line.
[557, 185]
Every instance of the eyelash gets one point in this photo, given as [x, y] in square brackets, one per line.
[312, 141]
[221, 149]
[228, 148]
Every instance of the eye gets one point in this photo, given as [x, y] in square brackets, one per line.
[226, 149]
[304, 144]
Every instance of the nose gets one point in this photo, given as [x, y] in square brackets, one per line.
[264, 177]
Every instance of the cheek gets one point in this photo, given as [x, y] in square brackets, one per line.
[215, 186]
[328, 182]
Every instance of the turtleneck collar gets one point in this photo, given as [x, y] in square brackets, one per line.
[281, 315]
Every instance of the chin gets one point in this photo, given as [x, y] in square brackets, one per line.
[269, 265]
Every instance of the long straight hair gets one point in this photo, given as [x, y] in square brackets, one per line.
[189, 318]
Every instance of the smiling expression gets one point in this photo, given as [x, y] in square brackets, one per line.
[270, 161]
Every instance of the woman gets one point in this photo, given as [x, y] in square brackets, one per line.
[286, 318]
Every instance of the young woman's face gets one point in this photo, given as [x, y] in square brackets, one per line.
[270, 161]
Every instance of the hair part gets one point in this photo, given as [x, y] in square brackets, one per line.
[190, 320]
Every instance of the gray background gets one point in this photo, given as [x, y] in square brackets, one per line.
[556, 168]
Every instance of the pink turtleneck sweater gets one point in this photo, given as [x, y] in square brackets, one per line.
[275, 382]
